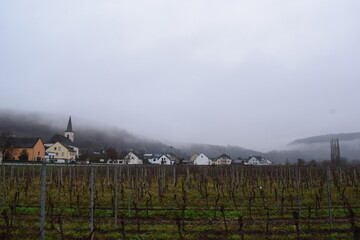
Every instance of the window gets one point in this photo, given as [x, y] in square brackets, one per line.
[39, 153]
[57, 154]
[59, 148]
[62, 154]
[55, 148]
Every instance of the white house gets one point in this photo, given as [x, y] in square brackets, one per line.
[132, 158]
[152, 158]
[49, 156]
[202, 159]
[160, 159]
[257, 160]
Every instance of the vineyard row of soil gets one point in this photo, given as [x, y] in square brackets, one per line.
[179, 202]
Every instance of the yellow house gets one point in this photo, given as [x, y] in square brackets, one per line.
[223, 160]
[193, 157]
[61, 151]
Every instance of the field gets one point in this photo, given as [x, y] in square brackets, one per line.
[180, 202]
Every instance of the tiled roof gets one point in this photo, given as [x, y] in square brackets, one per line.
[61, 139]
[23, 142]
[224, 156]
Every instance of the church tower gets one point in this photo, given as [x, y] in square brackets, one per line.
[69, 132]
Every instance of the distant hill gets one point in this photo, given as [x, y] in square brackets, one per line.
[86, 137]
[97, 138]
[91, 137]
[318, 147]
[327, 138]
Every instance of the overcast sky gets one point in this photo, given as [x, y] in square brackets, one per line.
[256, 74]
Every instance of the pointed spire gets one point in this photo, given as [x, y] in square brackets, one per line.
[69, 126]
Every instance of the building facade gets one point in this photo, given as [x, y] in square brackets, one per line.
[33, 146]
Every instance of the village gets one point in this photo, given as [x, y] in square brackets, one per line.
[61, 149]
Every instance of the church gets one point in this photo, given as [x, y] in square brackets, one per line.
[62, 147]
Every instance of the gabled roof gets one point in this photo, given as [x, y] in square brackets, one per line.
[70, 148]
[123, 154]
[173, 155]
[202, 154]
[167, 156]
[24, 142]
[257, 157]
[193, 157]
[224, 156]
[61, 139]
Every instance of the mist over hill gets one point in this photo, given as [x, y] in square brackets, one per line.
[87, 137]
[214, 151]
[326, 138]
[94, 137]
[318, 147]
[91, 137]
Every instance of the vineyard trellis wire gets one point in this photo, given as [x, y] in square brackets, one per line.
[186, 202]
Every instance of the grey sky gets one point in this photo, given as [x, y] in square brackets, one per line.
[257, 74]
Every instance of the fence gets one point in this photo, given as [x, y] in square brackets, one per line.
[179, 202]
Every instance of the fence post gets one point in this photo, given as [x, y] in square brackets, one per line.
[43, 195]
[137, 184]
[187, 174]
[298, 187]
[328, 181]
[277, 187]
[92, 203]
[128, 176]
[174, 176]
[4, 185]
[115, 196]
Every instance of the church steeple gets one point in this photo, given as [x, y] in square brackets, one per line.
[69, 126]
[69, 131]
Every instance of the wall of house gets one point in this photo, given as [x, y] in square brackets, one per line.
[164, 160]
[37, 153]
[61, 152]
[253, 161]
[223, 161]
[202, 159]
[133, 159]
[15, 153]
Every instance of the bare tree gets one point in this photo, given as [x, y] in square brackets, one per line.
[5, 143]
[111, 153]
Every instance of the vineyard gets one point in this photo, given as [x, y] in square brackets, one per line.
[179, 202]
